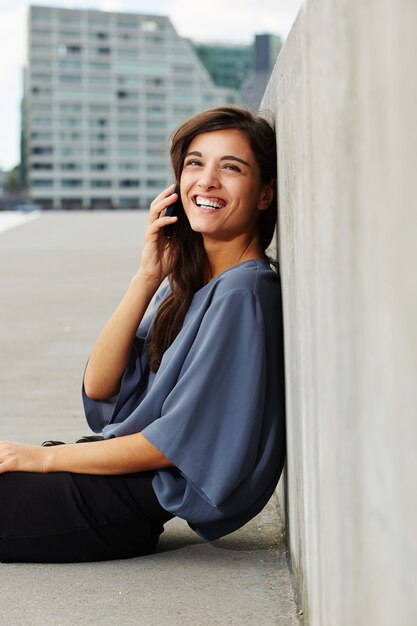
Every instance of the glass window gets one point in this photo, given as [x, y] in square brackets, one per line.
[69, 65]
[182, 69]
[71, 203]
[99, 167]
[69, 49]
[99, 65]
[100, 108]
[130, 137]
[69, 33]
[40, 182]
[154, 123]
[71, 182]
[99, 80]
[126, 68]
[69, 78]
[39, 50]
[69, 19]
[159, 152]
[101, 203]
[42, 166]
[41, 121]
[41, 108]
[156, 137]
[70, 136]
[74, 152]
[41, 63]
[100, 95]
[40, 16]
[100, 183]
[158, 39]
[128, 152]
[99, 137]
[70, 167]
[129, 182]
[99, 152]
[128, 109]
[155, 97]
[132, 81]
[42, 150]
[128, 124]
[149, 26]
[128, 166]
[122, 94]
[156, 182]
[41, 91]
[129, 24]
[101, 122]
[155, 82]
[67, 92]
[126, 53]
[72, 108]
[41, 136]
[70, 121]
[183, 97]
[41, 77]
[156, 68]
[99, 35]
[128, 203]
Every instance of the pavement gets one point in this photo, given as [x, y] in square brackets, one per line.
[62, 274]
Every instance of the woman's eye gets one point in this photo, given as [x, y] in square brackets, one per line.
[233, 168]
[193, 162]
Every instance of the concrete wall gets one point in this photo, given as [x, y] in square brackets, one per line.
[344, 95]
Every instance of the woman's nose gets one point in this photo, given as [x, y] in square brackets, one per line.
[208, 179]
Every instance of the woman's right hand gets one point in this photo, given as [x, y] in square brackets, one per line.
[156, 260]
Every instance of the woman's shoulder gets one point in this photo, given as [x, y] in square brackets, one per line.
[253, 276]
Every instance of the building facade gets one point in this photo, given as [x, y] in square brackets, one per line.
[227, 64]
[103, 92]
[265, 51]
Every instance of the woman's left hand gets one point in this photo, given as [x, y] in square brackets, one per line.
[20, 457]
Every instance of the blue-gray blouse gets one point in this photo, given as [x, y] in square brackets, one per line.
[215, 407]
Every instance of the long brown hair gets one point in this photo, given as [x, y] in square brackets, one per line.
[191, 267]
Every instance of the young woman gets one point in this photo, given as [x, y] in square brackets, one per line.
[188, 392]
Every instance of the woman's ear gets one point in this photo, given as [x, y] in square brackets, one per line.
[267, 194]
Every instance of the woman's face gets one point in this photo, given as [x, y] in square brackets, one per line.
[221, 188]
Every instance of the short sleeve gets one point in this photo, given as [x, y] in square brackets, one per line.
[100, 413]
[211, 421]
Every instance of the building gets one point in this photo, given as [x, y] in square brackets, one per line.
[103, 91]
[227, 64]
[266, 48]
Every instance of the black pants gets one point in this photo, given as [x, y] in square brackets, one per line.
[62, 517]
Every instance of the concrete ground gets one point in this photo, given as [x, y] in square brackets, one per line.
[61, 276]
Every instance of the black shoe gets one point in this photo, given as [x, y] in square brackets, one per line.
[50, 442]
[89, 438]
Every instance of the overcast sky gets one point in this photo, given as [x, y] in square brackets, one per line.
[215, 20]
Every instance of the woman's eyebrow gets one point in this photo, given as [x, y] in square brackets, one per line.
[227, 157]
[230, 157]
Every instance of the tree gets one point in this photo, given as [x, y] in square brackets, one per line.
[12, 182]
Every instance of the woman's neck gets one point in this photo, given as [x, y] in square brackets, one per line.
[223, 255]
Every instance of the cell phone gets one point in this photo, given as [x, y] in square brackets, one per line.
[171, 210]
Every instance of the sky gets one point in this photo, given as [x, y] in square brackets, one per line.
[234, 21]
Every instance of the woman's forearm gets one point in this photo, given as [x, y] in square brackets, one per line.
[120, 455]
[111, 352]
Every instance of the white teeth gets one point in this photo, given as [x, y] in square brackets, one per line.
[200, 201]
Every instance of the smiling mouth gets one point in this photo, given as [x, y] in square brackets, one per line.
[209, 203]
